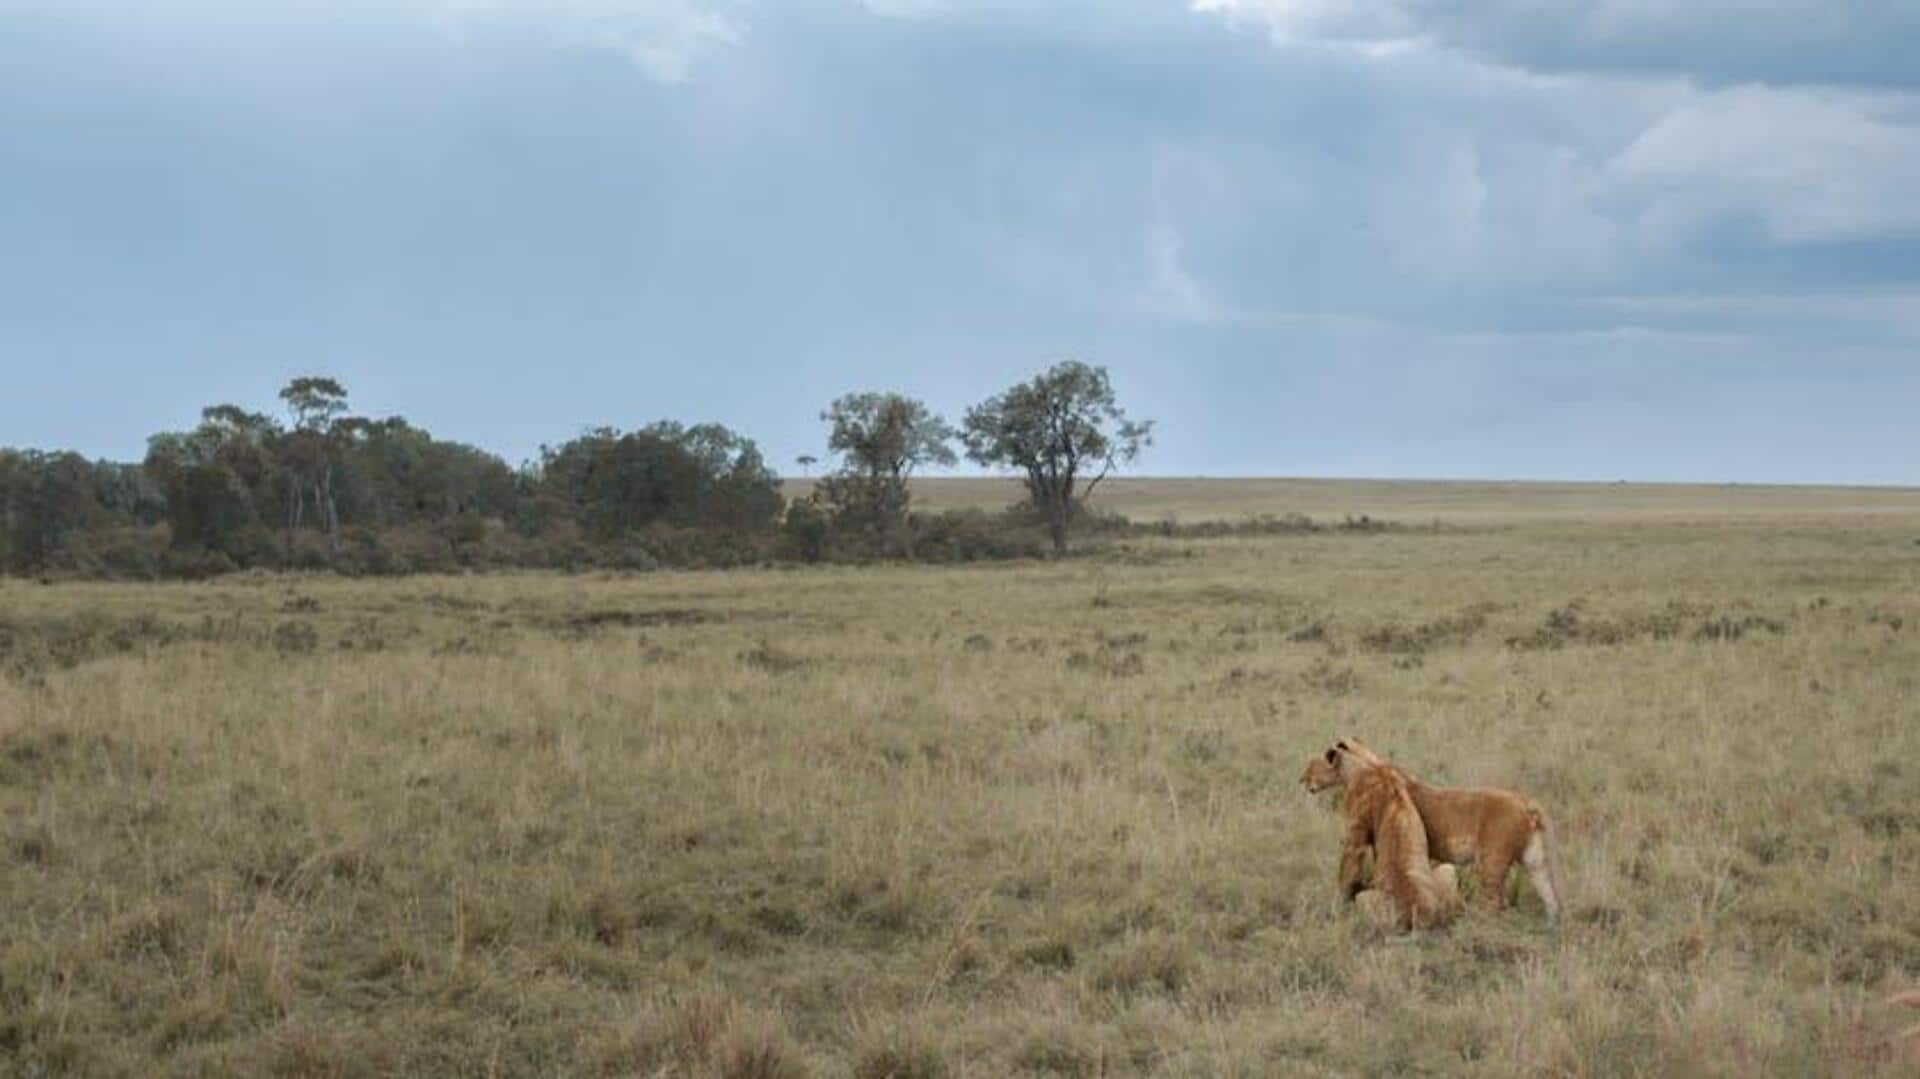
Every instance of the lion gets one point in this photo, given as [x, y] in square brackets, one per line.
[1379, 814]
[1377, 907]
[1487, 828]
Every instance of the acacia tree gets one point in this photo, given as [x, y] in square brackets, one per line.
[1063, 430]
[881, 439]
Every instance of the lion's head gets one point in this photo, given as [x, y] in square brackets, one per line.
[1359, 751]
[1340, 763]
[1322, 772]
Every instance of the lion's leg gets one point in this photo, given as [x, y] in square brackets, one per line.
[1493, 880]
[1353, 847]
[1540, 871]
[1434, 897]
[1448, 879]
[1349, 883]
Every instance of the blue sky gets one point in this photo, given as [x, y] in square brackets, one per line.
[1641, 239]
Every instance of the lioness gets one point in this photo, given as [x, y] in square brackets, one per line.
[1379, 814]
[1488, 828]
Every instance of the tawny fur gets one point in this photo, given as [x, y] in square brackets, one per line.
[1487, 828]
[1379, 815]
[1379, 909]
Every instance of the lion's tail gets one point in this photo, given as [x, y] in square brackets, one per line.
[1538, 858]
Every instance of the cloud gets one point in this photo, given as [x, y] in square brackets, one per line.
[1712, 41]
[905, 9]
[1430, 246]
[664, 38]
[1888, 315]
[1363, 22]
[1173, 292]
[1463, 190]
[1810, 166]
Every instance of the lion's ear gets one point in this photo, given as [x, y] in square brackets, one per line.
[1333, 755]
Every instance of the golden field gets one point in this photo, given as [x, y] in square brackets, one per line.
[1025, 818]
[1456, 502]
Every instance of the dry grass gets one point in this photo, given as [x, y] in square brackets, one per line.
[930, 822]
[1461, 502]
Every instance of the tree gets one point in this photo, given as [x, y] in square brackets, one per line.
[128, 494]
[309, 451]
[806, 461]
[405, 475]
[1063, 430]
[44, 498]
[739, 492]
[702, 477]
[314, 402]
[881, 439]
[218, 479]
[209, 506]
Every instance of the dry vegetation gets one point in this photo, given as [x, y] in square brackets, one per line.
[1147, 499]
[943, 822]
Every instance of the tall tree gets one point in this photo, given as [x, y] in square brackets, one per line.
[316, 405]
[882, 438]
[1064, 431]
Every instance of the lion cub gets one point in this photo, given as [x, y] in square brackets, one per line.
[1488, 828]
[1379, 814]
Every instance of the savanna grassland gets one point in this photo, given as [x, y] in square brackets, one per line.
[1024, 818]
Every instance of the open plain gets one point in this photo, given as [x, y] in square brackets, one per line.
[1037, 817]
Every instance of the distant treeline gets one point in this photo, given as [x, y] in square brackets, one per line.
[318, 487]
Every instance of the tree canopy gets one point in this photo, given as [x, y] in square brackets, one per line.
[314, 484]
[1064, 431]
[882, 438]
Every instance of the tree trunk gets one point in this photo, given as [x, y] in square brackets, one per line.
[897, 503]
[295, 508]
[332, 513]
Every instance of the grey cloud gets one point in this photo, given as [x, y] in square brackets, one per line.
[1809, 165]
[1866, 42]
[1443, 190]
[1319, 258]
[1869, 42]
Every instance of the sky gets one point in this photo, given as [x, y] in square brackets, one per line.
[1611, 239]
